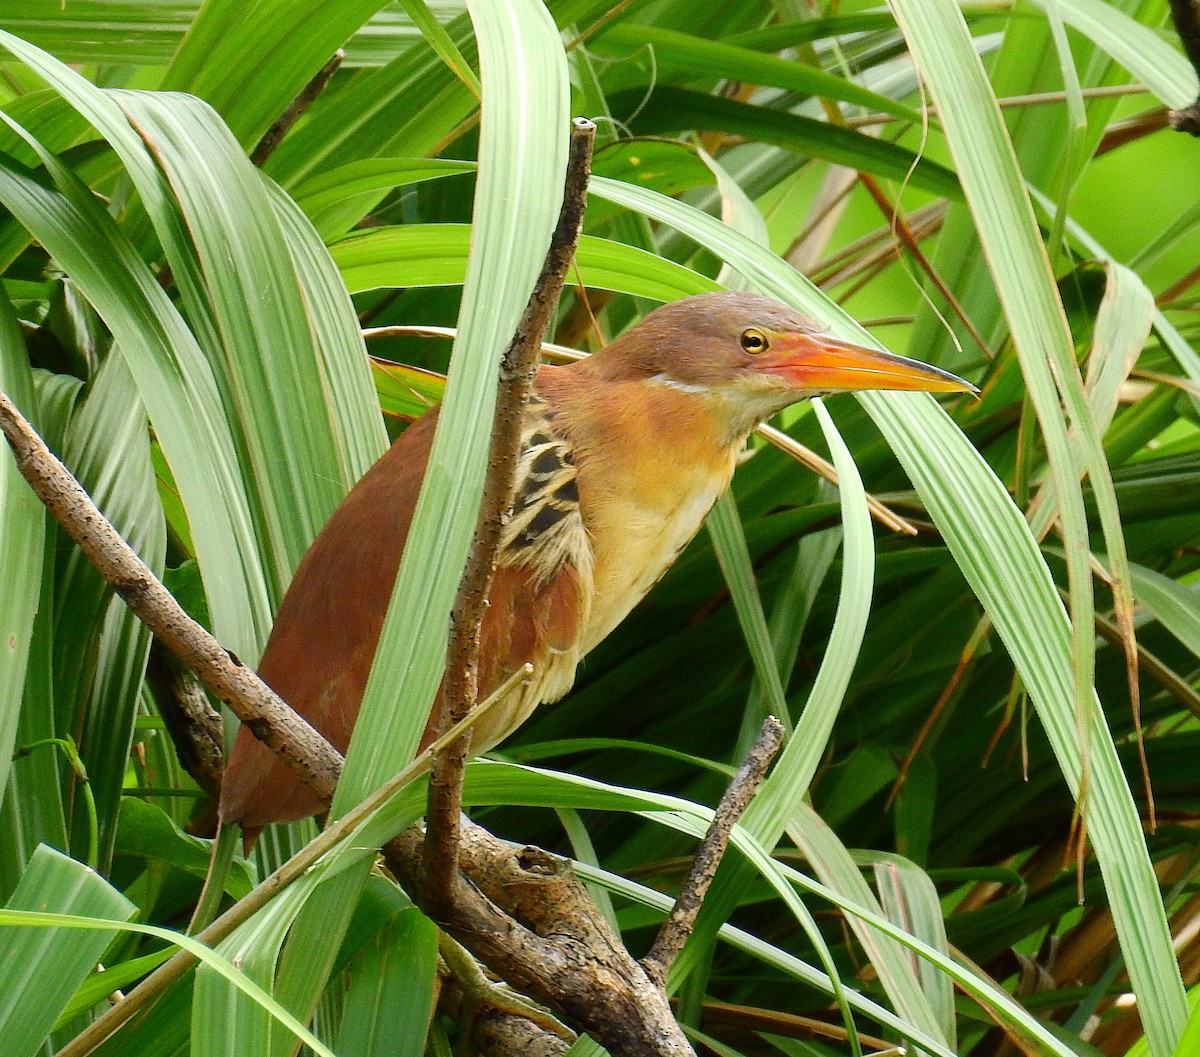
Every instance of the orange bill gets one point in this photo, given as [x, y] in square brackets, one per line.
[825, 364]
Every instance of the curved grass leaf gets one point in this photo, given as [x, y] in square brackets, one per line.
[437, 255]
[912, 985]
[1138, 48]
[392, 990]
[522, 152]
[174, 381]
[942, 49]
[269, 361]
[29, 919]
[22, 537]
[494, 783]
[250, 62]
[45, 965]
[673, 109]
[673, 51]
[1176, 606]
[100, 646]
[322, 196]
[963, 495]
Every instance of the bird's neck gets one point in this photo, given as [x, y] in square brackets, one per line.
[634, 419]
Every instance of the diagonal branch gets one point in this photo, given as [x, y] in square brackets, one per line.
[271, 719]
[681, 921]
[296, 109]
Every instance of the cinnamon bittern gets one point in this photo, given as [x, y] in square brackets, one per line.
[623, 455]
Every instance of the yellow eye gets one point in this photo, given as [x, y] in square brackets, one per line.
[754, 341]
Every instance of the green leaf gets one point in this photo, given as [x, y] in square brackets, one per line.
[1122, 327]
[523, 140]
[100, 647]
[995, 192]
[437, 255]
[441, 42]
[729, 541]
[175, 383]
[1176, 606]
[321, 195]
[249, 63]
[391, 992]
[270, 361]
[522, 153]
[22, 537]
[46, 965]
[708, 58]
[1143, 52]
[789, 780]
[28, 919]
[672, 109]
[147, 832]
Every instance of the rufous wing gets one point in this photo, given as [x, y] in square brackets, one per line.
[321, 647]
[529, 620]
[323, 643]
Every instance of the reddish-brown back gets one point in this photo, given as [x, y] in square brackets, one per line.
[321, 647]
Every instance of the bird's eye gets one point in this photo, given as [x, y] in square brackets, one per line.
[754, 341]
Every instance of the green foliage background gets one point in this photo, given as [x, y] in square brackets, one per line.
[185, 329]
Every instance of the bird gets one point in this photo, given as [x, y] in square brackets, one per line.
[623, 454]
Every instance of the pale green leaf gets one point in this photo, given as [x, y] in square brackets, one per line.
[22, 536]
[44, 966]
[942, 49]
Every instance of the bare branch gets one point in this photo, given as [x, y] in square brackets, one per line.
[497, 1033]
[272, 720]
[524, 914]
[517, 372]
[682, 919]
[191, 721]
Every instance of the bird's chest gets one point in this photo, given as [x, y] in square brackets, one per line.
[653, 507]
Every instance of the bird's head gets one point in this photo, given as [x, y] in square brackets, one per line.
[758, 355]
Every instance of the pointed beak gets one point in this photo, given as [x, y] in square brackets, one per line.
[825, 364]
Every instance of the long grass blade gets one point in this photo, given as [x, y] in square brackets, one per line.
[523, 143]
[943, 50]
[22, 537]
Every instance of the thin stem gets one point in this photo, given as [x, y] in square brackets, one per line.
[296, 109]
[67, 747]
[678, 927]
